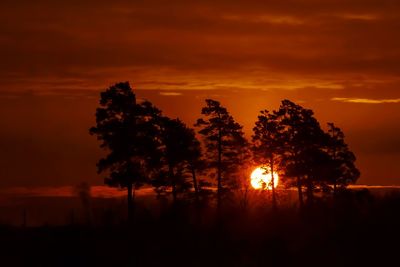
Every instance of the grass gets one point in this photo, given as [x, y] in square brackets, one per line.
[357, 229]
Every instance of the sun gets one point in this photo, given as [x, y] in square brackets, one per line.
[261, 178]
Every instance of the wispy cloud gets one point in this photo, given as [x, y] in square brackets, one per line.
[365, 100]
[267, 18]
[360, 16]
[170, 93]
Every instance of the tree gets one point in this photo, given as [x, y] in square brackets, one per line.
[224, 141]
[127, 131]
[343, 169]
[268, 144]
[82, 191]
[303, 143]
[181, 154]
[195, 161]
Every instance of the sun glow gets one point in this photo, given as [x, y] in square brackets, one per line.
[261, 178]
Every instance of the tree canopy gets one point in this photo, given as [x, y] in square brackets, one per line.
[181, 156]
[224, 142]
[145, 147]
[127, 130]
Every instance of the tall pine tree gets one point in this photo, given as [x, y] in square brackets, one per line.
[344, 170]
[303, 147]
[181, 155]
[268, 144]
[225, 144]
[127, 131]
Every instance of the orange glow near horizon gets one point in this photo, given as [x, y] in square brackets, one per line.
[261, 178]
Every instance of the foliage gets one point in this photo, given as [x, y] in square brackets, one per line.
[343, 170]
[226, 146]
[145, 147]
[128, 132]
[268, 141]
[181, 157]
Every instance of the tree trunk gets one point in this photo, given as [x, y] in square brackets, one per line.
[195, 185]
[299, 189]
[172, 177]
[273, 183]
[130, 182]
[174, 192]
[310, 195]
[130, 203]
[219, 169]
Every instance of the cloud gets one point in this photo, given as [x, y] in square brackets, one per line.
[266, 18]
[360, 16]
[170, 93]
[365, 100]
[75, 44]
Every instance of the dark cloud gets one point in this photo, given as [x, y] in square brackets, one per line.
[101, 41]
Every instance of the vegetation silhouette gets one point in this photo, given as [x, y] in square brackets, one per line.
[342, 171]
[181, 157]
[308, 156]
[82, 191]
[226, 146]
[146, 147]
[127, 129]
[358, 230]
[268, 144]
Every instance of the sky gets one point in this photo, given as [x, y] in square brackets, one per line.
[340, 58]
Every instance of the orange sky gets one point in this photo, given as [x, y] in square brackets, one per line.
[340, 58]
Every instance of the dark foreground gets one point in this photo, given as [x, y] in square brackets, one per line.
[356, 230]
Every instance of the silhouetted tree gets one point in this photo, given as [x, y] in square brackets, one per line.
[268, 144]
[304, 140]
[82, 191]
[224, 141]
[127, 130]
[314, 166]
[181, 154]
[343, 171]
[195, 161]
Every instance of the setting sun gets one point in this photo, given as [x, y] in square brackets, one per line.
[260, 178]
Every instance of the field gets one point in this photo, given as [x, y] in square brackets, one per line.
[360, 227]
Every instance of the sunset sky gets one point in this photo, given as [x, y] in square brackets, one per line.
[339, 58]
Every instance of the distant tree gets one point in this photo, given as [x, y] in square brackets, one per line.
[304, 140]
[83, 192]
[343, 170]
[225, 144]
[181, 153]
[128, 132]
[268, 144]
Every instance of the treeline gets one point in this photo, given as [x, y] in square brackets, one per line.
[145, 147]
